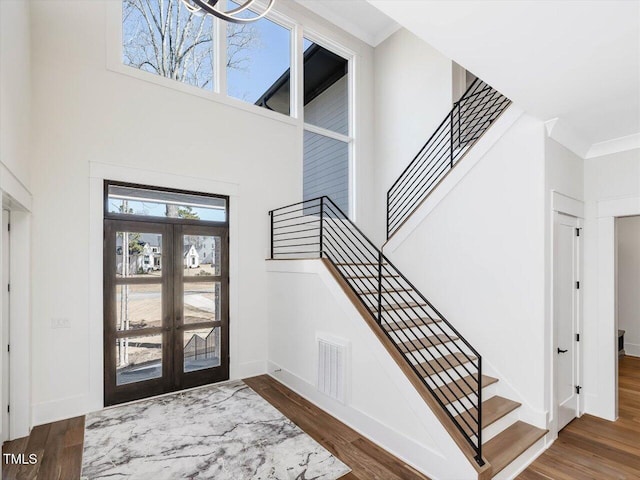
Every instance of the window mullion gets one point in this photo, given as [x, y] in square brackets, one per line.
[327, 133]
[221, 55]
[297, 73]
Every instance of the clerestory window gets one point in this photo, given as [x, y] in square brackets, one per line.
[248, 62]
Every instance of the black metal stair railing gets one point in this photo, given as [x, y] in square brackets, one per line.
[447, 364]
[469, 118]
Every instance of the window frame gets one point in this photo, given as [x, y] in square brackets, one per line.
[219, 50]
[150, 218]
[349, 139]
[298, 32]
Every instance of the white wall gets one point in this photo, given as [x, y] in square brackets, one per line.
[564, 177]
[413, 94]
[628, 282]
[15, 107]
[612, 188]
[479, 257]
[15, 86]
[305, 301]
[564, 170]
[93, 119]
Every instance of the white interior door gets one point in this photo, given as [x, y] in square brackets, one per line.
[566, 311]
[4, 334]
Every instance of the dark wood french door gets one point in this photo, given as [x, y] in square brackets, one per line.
[166, 307]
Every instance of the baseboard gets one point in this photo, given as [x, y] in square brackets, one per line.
[632, 349]
[406, 449]
[68, 407]
[247, 369]
[61, 409]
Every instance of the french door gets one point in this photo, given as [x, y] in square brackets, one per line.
[166, 307]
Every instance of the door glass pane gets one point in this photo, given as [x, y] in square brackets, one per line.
[142, 258]
[326, 93]
[138, 359]
[201, 349]
[125, 200]
[201, 302]
[201, 255]
[138, 306]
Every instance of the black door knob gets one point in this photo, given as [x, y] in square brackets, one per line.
[562, 351]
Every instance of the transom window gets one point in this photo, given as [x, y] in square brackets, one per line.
[125, 200]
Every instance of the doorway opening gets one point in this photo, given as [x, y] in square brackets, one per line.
[628, 309]
[166, 291]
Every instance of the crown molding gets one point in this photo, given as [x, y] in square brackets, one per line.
[616, 145]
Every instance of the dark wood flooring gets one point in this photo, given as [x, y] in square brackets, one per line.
[592, 448]
[367, 460]
[58, 445]
[58, 450]
[588, 448]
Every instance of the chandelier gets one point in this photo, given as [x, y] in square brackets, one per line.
[208, 6]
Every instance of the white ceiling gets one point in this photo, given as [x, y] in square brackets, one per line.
[358, 17]
[575, 60]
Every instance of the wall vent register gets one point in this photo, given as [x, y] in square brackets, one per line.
[332, 364]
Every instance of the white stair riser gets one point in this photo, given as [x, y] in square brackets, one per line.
[406, 334]
[521, 462]
[410, 333]
[499, 426]
[487, 392]
[437, 350]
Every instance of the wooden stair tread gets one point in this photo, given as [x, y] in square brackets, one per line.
[368, 264]
[401, 325]
[401, 306]
[461, 387]
[508, 445]
[358, 277]
[422, 343]
[375, 292]
[445, 362]
[493, 410]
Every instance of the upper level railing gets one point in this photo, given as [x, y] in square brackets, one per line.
[469, 118]
[447, 364]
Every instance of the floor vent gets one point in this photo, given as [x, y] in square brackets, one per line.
[332, 364]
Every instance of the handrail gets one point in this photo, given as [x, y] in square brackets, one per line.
[439, 356]
[467, 121]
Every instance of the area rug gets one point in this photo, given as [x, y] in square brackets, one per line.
[221, 432]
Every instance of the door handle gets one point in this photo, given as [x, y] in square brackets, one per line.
[562, 351]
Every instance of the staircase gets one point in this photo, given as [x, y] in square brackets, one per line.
[440, 363]
[471, 116]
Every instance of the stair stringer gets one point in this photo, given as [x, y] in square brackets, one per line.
[442, 458]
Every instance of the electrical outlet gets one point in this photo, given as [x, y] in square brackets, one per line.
[60, 323]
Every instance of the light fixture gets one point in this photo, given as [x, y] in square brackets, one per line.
[208, 6]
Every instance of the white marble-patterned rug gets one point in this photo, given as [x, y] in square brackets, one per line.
[221, 432]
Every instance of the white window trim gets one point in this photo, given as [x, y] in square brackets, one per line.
[349, 139]
[218, 93]
[327, 133]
